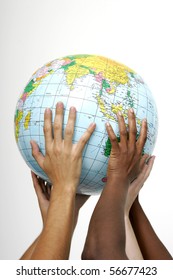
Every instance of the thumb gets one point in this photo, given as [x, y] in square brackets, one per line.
[36, 153]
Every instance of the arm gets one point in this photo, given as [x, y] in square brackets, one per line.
[43, 190]
[151, 246]
[61, 155]
[106, 233]
[132, 247]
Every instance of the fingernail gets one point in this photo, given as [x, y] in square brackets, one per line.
[120, 113]
[47, 110]
[131, 110]
[108, 124]
[148, 159]
[92, 124]
[72, 109]
[59, 104]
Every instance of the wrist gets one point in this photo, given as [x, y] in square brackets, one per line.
[63, 191]
[118, 180]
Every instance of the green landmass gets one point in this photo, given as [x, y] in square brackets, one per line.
[105, 85]
[89, 69]
[130, 99]
[29, 87]
[65, 67]
[72, 57]
[108, 146]
[132, 74]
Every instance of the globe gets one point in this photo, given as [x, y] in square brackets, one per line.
[98, 87]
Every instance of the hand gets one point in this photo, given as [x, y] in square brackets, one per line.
[63, 159]
[146, 165]
[43, 190]
[126, 154]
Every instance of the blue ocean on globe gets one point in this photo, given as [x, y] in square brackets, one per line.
[98, 87]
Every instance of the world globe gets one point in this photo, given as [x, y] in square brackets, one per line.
[98, 87]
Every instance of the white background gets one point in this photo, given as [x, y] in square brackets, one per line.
[33, 32]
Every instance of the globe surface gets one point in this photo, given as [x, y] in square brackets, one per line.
[98, 87]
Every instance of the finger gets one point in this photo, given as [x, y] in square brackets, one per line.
[49, 188]
[48, 128]
[143, 161]
[45, 191]
[42, 185]
[36, 184]
[146, 170]
[112, 137]
[36, 153]
[58, 121]
[123, 130]
[69, 130]
[142, 138]
[132, 128]
[85, 137]
[149, 165]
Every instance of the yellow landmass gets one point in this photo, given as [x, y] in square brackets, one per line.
[27, 120]
[75, 71]
[113, 71]
[139, 122]
[17, 123]
[103, 108]
[116, 108]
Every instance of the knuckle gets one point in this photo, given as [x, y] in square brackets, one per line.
[57, 126]
[123, 132]
[131, 151]
[69, 131]
[113, 139]
[46, 129]
[133, 131]
[124, 149]
[83, 139]
[48, 150]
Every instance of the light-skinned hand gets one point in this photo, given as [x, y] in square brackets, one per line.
[63, 160]
[146, 165]
[43, 191]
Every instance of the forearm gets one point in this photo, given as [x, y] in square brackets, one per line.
[55, 239]
[151, 246]
[109, 213]
[132, 247]
[106, 234]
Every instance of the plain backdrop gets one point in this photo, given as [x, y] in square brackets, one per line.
[33, 32]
